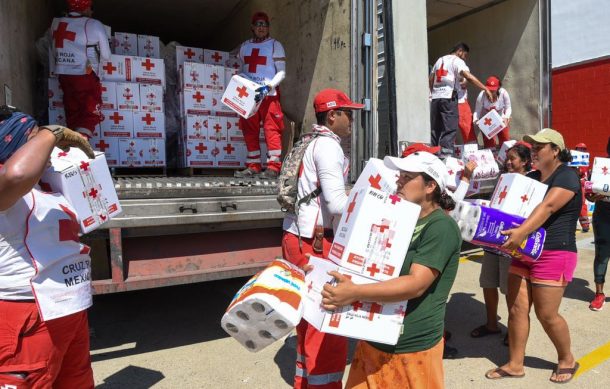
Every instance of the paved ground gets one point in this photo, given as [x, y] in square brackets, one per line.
[171, 338]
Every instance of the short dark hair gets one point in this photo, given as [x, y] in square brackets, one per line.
[460, 46]
[321, 117]
[441, 198]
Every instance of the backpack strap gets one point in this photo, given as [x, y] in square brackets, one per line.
[307, 198]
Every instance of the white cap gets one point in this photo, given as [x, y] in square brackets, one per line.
[421, 162]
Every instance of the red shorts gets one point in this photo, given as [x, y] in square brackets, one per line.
[554, 267]
[36, 354]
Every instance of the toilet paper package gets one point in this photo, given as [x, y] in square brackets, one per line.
[267, 307]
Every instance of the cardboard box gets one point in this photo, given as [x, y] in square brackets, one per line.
[234, 133]
[200, 153]
[198, 102]
[192, 75]
[239, 96]
[125, 43]
[455, 169]
[118, 68]
[374, 232]
[116, 124]
[86, 184]
[501, 157]
[487, 167]
[148, 46]
[600, 176]
[378, 176]
[233, 63]
[221, 109]
[370, 321]
[517, 194]
[110, 148]
[194, 128]
[216, 131]
[128, 96]
[579, 158]
[149, 125]
[131, 152]
[215, 57]
[149, 71]
[491, 124]
[151, 98]
[229, 73]
[482, 186]
[56, 94]
[109, 100]
[57, 116]
[231, 154]
[462, 151]
[188, 54]
[154, 152]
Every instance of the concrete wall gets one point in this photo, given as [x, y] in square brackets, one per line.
[316, 36]
[21, 24]
[504, 41]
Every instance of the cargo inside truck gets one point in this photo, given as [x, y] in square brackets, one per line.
[179, 229]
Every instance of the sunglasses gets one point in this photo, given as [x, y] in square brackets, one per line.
[261, 24]
[348, 113]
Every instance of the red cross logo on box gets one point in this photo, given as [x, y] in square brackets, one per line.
[102, 146]
[84, 166]
[229, 148]
[116, 118]
[109, 67]
[148, 64]
[524, 198]
[217, 127]
[194, 76]
[394, 199]
[502, 195]
[93, 193]
[400, 311]
[148, 119]
[253, 60]
[310, 286]
[373, 269]
[351, 207]
[487, 122]
[605, 170]
[189, 53]
[201, 148]
[375, 308]
[197, 126]
[242, 92]
[216, 57]
[62, 154]
[62, 34]
[127, 94]
[440, 73]
[68, 228]
[214, 77]
[356, 305]
[198, 96]
[374, 181]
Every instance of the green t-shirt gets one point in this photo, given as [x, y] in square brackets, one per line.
[436, 244]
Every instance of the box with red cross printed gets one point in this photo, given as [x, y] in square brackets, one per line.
[154, 152]
[517, 194]
[370, 321]
[198, 102]
[149, 125]
[128, 96]
[131, 152]
[378, 176]
[192, 76]
[149, 71]
[200, 153]
[109, 100]
[600, 176]
[85, 183]
[374, 232]
[110, 148]
[188, 54]
[56, 94]
[194, 128]
[462, 151]
[151, 98]
[125, 43]
[491, 124]
[116, 124]
[234, 133]
[239, 96]
[148, 46]
[57, 116]
[215, 129]
[455, 169]
[119, 68]
[231, 154]
[215, 57]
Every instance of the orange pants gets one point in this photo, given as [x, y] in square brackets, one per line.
[321, 358]
[374, 369]
[82, 100]
[465, 123]
[503, 136]
[40, 355]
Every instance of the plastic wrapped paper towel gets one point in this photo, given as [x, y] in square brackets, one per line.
[483, 226]
[267, 307]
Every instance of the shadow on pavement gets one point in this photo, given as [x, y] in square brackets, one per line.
[158, 319]
[133, 377]
[579, 289]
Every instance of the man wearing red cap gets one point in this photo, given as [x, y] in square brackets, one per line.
[264, 61]
[321, 358]
[501, 103]
[77, 43]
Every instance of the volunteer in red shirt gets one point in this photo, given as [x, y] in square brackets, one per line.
[583, 172]
[321, 358]
[501, 103]
[264, 61]
[78, 43]
[45, 286]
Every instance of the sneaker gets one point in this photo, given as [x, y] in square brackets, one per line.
[270, 174]
[598, 302]
[246, 173]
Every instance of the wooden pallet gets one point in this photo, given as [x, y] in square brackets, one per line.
[139, 171]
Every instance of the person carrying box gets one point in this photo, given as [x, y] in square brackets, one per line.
[501, 103]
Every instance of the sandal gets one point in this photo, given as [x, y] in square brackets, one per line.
[482, 331]
[501, 374]
[566, 370]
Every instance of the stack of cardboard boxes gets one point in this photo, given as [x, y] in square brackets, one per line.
[210, 135]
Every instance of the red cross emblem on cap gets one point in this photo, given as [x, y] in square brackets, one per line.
[148, 64]
[148, 119]
[62, 34]
[201, 148]
[109, 68]
[116, 118]
[253, 60]
[242, 92]
[102, 146]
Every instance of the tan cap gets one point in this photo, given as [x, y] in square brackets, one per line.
[547, 135]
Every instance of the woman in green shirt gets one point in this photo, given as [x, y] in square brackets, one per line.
[425, 280]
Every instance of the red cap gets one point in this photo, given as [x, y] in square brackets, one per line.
[492, 83]
[328, 99]
[260, 16]
[524, 143]
[581, 146]
[79, 5]
[415, 147]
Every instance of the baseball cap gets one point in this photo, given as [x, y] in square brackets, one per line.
[492, 83]
[260, 16]
[581, 146]
[546, 135]
[420, 147]
[79, 5]
[421, 162]
[328, 99]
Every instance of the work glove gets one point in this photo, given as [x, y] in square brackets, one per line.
[72, 138]
[261, 93]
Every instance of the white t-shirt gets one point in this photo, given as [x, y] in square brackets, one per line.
[446, 76]
[483, 105]
[324, 164]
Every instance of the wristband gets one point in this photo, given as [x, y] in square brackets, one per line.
[58, 131]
